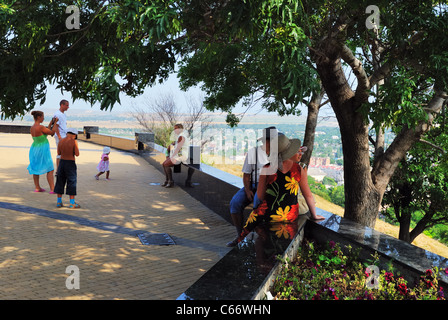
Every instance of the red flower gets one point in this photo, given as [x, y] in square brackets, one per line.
[293, 212]
[402, 288]
[261, 209]
[389, 276]
[295, 172]
[289, 282]
[292, 229]
[429, 284]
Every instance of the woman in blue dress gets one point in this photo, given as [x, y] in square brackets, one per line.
[40, 155]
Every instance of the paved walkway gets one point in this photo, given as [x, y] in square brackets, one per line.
[39, 241]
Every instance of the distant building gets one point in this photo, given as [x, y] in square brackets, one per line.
[335, 172]
[321, 167]
[320, 161]
[316, 173]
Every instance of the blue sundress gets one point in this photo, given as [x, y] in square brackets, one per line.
[40, 156]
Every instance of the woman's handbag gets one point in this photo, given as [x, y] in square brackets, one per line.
[303, 206]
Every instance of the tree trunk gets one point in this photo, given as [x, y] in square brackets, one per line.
[423, 224]
[405, 224]
[362, 199]
[311, 123]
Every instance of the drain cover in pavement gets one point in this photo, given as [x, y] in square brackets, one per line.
[158, 239]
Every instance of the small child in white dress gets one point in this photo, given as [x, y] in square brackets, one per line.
[103, 165]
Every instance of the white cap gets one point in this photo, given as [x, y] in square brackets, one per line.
[72, 130]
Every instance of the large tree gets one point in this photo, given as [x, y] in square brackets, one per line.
[289, 51]
[400, 63]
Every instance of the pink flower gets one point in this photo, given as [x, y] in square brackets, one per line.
[389, 276]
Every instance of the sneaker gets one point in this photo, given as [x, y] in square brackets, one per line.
[74, 205]
[97, 178]
[232, 243]
[170, 184]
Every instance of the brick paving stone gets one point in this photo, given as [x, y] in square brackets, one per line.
[35, 250]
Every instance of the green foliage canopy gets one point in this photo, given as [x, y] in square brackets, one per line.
[233, 49]
[420, 184]
[121, 46]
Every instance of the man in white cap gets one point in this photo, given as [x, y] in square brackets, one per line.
[67, 170]
[256, 158]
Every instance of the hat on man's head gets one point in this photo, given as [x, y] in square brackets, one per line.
[269, 133]
[282, 142]
[72, 131]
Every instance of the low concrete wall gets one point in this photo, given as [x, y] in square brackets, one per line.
[7, 128]
[111, 141]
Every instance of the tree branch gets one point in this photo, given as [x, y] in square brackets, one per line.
[396, 54]
[84, 30]
[433, 145]
[380, 74]
[359, 71]
[385, 165]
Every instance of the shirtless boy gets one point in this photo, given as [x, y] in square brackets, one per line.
[67, 175]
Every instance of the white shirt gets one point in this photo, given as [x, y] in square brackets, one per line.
[62, 123]
[182, 155]
[250, 161]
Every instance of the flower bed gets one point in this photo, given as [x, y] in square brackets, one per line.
[327, 273]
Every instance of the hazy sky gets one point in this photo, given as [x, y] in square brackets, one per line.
[171, 85]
